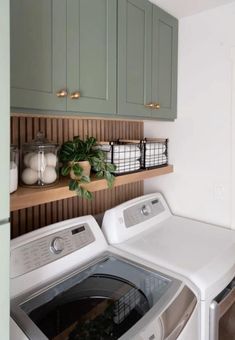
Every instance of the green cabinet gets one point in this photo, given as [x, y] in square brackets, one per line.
[147, 61]
[4, 170]
[134, 57]
[5, 117]
[38, 54]
[61, 45]
[91, 56]
[64, 57]
[164, 64]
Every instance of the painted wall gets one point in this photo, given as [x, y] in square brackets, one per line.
[200, 140]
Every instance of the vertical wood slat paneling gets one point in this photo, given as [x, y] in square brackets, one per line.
[59, 129]
[29, 219]
[24, 128]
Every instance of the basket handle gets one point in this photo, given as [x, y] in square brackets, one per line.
[130, 141]
[159, 140]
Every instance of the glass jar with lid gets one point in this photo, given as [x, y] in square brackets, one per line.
[39, 165]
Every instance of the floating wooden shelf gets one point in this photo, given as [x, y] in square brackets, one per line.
[28, 197]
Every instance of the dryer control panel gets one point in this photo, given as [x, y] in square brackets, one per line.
[142, 212]
[44, 250]
[130, 218]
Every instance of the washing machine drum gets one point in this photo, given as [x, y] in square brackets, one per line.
[100, 307]
[100, 302]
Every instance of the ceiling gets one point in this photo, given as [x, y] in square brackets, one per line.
[183, 8]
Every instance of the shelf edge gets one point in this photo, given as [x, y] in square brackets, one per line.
[27, 197]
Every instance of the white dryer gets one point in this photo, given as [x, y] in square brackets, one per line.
[201, 253]
[67, 283]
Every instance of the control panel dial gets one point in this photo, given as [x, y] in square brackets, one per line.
[145, 210]
[57, 245]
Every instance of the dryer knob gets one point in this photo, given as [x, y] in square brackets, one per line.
[145, 210]
[57, 245]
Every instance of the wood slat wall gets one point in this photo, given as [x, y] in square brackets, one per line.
[59, 129]
[25, 220]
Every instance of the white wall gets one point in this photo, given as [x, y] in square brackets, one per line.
[201, 138]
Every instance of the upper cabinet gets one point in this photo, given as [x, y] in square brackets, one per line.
[147, 60]
[91, 56]
[38, 54]
[94, 56]
[63, 55]
[164, 65]
[134, 56]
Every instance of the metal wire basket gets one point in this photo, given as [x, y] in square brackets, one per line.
[125, 154]
[154, 153]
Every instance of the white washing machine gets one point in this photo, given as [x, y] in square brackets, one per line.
[203, 254]
[67, 283]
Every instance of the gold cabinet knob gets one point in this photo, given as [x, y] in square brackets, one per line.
[150, 106]
[62, 93]
[157, 106]
[75, 95]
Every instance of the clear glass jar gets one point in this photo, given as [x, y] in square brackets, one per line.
[14, 164]
[39, 166]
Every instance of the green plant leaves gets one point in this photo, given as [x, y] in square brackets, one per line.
[86, 194]
[65, 170]
[84, 150]
[77, 169]
[73, 185]
[85, 179]
[109, 178]
[100, 174]
[110, 167]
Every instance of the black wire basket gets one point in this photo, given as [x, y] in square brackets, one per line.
[154, 153]
[125, 154]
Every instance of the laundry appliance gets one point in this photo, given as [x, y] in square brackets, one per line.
[203, 254]
[67, 283]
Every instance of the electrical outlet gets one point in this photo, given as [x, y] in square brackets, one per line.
[219, 190]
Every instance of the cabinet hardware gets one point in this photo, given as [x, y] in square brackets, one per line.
[62, 93]
[75, 95]
[157, 106]
[150, 106]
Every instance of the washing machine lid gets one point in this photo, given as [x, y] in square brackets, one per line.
[201, 252]
[106, 298]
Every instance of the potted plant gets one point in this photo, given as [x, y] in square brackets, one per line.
[78, 158]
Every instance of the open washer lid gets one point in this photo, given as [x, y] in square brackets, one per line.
[103, 300]
[201, 252]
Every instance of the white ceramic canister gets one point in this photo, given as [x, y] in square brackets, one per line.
[14, 164]
[39, 163]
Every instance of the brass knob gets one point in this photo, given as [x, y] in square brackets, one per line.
[157, 106]
[75, 95]
[62, 93]
[150, 106]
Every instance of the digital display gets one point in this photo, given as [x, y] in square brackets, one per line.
[155, 201]
[78, 230]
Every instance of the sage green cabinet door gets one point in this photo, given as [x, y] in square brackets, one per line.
[5, 117]
[91, 55]
[38, 53]
[134, 57]
[164, 64]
